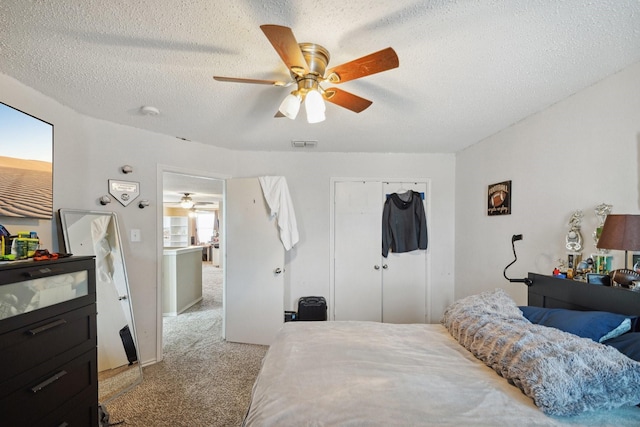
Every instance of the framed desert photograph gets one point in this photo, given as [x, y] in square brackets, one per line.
[26, 165]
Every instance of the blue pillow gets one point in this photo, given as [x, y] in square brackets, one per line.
[628, 344]
[597, 325]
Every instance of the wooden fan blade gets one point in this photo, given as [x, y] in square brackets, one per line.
[346, 99]
[284, 42]
[377, 62]
[253, 81]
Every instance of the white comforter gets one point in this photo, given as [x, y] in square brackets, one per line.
[375, 374]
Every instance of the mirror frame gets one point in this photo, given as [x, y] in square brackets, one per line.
[67, 218]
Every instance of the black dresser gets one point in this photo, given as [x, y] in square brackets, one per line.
[48, 343]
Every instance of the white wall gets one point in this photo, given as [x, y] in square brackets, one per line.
[88, 152]
[576, 154]
[308, 176]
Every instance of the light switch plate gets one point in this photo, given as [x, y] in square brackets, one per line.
[135, 235]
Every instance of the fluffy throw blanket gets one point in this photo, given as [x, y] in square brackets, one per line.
[563, 373]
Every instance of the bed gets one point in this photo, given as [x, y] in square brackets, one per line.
[486, 364]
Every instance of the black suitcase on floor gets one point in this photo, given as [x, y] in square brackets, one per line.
[129, 345]
[312, 308]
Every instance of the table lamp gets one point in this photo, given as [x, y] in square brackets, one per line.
[620, 232]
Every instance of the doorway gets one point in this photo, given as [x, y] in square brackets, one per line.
[206, 194]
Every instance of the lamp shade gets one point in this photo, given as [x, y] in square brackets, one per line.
[315, 107]
[620, 232]
[290, 106]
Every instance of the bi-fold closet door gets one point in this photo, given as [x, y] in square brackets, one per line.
[368, 286]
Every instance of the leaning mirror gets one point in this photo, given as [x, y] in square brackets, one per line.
[97, 233]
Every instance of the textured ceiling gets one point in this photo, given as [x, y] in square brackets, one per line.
[205, 192]
[467, 68]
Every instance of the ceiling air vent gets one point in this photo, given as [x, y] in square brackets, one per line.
[304, 144]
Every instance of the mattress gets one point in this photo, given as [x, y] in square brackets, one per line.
[375, 374]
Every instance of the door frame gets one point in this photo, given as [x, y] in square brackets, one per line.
[332, 279]
[160, 170]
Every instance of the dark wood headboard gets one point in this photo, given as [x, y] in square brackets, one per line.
[553, 292]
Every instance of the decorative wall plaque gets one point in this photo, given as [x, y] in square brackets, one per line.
[124, 191]
[499, 199]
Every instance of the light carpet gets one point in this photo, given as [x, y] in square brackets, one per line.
[203, 380]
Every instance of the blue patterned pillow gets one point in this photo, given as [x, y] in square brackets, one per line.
[597, 325]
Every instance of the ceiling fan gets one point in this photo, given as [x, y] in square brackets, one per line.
[307, 63]
[187, 202]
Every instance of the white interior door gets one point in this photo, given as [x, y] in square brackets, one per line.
[404, 277]
[254, 294]
[357, 251]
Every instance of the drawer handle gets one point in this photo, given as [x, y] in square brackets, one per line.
[43, 272]
[46, 327]
[48, 382]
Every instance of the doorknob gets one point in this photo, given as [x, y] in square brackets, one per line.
[377, 267]
[278, 270]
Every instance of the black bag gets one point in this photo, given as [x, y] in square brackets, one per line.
[129, 345]
[312, 308]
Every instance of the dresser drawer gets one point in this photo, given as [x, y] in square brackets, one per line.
[48, 389]
[81, 411]
[32, 286]
[73, 332]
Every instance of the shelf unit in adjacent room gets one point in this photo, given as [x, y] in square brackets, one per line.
[175, 231]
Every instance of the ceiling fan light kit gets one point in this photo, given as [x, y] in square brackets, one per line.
[291, 105]
[308, 92]
[314, 105]
[307, 63]
[186, 202]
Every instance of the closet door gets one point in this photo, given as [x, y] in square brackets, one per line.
[368, 286]
[357, 251]
[254, 286]
[404, 274]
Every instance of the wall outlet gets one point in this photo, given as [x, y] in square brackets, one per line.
[135, 235]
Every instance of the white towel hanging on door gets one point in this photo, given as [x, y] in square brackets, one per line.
[276, 193]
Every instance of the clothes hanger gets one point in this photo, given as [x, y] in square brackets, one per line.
[403, 190]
